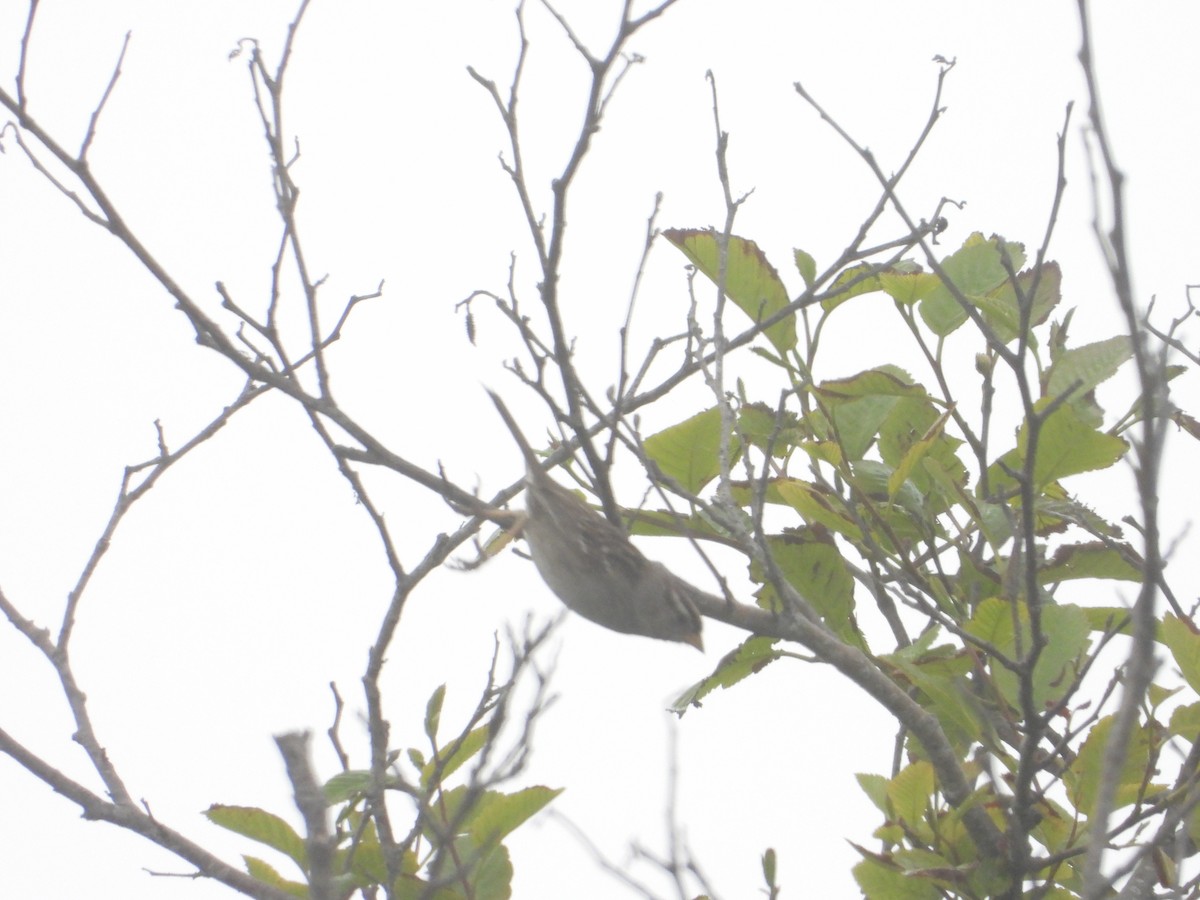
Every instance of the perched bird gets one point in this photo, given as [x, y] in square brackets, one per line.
[593, 567]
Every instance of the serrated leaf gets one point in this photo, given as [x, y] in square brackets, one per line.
[751, 656]
[1089, 560]
[908, 287]
[911, 792]
[262, 826]
[975, 269]
[883, 381]
[1086, 367]
[763, 427]
[1067, 445]
[1002, 311]
[750, 281]
[876, 789]
[1076, 513]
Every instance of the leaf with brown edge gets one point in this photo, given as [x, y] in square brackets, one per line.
[749, 280]
[750, 657]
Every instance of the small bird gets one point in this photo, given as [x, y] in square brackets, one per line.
[593, 567]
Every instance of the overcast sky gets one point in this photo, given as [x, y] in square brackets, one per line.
[250, 579]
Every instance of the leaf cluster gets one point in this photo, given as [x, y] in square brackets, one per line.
[455, 848]
[949, 548]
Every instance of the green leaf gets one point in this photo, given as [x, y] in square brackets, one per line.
[1001, 309]
[1185, 722]
[851, 282]
[806, 266]
[455, 755]
[975, 269]
[262, 826]
[498, 814]
[344, 785]
[884, 381]
[875, 478]
[912, 441]
[490, 816]
[690, 451]
[883, 882]
[1183, 642]
[493, 876]
[1084, 776]
[858, 422]
[903, 281]
[665, 523]
[763, 427]
[916, 453]
[1104, 619]
[750, 281]
[364, 859]
[818, 506]
[813, 565]
[267, 875]
[752, 656]
[911, 792]
[940, 676]
[1090, 560]
[1065, 628]
[876, 789]
[1075, 513]
[433, 712]
[908, 287]
[1086, 367]
[466, 870]
[860, 404]
[1067, 445]
[1057, 828]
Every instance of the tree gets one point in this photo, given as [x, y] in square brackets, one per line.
[919, 535]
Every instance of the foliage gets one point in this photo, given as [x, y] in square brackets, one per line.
[968, 551]
[454, 848]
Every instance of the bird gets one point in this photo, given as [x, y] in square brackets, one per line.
[592, 566]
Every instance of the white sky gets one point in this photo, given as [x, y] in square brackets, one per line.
[249, 579]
